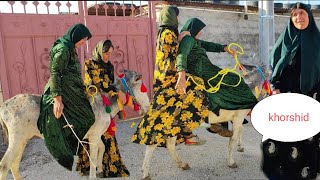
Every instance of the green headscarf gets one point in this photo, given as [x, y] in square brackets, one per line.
[168, 16]
[286, 47]
[194, 26]
[74, 34]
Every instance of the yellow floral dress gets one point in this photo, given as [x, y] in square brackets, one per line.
[101, 75]
[171, 114]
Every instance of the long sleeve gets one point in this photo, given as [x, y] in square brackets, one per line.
[59, 61]
[184, 50]
[212, 47]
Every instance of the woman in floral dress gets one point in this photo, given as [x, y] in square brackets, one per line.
[100, 73]
[177, 107]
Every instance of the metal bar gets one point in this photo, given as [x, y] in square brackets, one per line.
[266, 30]
[5, 83]
[153, 28]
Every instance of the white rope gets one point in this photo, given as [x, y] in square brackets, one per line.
[79, 141]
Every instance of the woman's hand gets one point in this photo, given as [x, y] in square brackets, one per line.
[231, 51]
[58, 106]
[181, 83]
[183, 34]
[122, 97]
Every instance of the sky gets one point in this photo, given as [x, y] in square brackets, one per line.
[30, 8]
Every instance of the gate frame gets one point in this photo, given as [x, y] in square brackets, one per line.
[82, 14]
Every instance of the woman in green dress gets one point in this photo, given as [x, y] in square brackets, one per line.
[64, 97]
[100, 73]
[192, 55]
[173, 110]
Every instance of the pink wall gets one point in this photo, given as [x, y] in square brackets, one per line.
[25, 41]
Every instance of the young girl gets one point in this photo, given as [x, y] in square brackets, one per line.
[100, 73]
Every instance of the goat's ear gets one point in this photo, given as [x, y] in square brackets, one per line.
[125, 72]
[138, 77]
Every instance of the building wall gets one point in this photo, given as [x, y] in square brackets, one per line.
[1, 96]
[227, 27]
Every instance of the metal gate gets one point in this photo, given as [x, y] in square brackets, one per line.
[26, 38]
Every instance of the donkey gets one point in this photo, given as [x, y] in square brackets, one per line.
[254, 78]
[19, 116]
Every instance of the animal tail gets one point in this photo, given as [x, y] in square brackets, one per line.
[4, 130]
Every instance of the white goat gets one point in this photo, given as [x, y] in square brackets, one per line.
[254, 77]
[19, 115]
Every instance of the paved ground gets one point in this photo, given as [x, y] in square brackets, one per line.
[207, 162]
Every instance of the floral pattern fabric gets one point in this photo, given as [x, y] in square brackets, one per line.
[99, 74]
[171, 114]
[113, 165]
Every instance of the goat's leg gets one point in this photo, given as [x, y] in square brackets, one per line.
[101, 149]
[237, 125]
[5, 163]
[171, 146]
[16, 163]
[12, 157]
[146, 161]
[240, 144]
[93, 155]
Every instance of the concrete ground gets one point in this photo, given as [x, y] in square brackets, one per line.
[207, 162]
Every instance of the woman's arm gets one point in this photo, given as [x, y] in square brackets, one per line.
[212, 47]
[58, 64]
[185, 47]
[181, 62]
[216, 47]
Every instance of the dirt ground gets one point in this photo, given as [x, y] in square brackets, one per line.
[207, 162]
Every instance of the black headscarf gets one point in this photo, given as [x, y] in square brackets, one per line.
[287, 45]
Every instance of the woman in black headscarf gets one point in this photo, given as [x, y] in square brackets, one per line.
[65, 95]
[295, 61]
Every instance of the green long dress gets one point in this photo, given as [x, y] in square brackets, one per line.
[170, 114]
[66, 81]
[101, 75]
[192, 56]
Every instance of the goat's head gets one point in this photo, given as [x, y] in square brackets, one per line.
[131, 82]
[257, 79]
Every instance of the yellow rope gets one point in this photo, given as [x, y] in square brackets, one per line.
[223, 72]
[93, 94]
